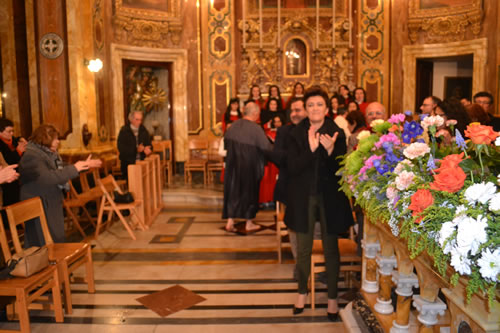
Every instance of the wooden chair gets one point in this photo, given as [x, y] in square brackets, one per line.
[197, 160]
[350, 262]
[78, 201]
[108, 185]
[281, 230]
[68, 256]
[27, 290]
[164, 148]
[215, 161]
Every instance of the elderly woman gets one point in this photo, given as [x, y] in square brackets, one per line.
[314, 196]
[44, 175]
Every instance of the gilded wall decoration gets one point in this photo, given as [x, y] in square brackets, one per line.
[220, 93]
[443, 21]
[219, 36]
[147, 23]
[373, 60]
[218, 43]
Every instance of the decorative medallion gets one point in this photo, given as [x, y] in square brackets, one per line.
[51, 45]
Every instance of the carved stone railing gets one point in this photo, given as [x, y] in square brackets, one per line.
[387, 264]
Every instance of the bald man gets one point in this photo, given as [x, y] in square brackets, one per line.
[247, 147]
[375, 110]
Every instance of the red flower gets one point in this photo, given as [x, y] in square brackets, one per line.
[420, 201]
[450, 161]
[480, 134]
[449, 180]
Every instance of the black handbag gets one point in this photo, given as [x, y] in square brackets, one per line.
[126, 197]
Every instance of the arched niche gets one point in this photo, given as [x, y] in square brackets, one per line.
[296, 58]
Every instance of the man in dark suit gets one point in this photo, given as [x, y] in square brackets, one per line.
[134, 142]
[485, 99]
[297, 114]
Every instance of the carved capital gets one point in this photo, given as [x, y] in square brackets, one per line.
[371, 249]
[428, 310]
[386, 264]
[405, 283]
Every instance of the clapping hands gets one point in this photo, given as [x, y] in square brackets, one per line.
[315, 139]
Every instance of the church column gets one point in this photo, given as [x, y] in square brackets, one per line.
[405, 284]
[386, 265]
[369, 283]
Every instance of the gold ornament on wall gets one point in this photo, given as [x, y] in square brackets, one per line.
[444, 22]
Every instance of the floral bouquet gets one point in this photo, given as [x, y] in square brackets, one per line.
[443, 199]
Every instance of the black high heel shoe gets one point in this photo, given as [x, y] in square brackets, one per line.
[297, 310]
[332, 316]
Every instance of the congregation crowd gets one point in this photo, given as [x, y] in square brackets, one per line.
[289, 153]
[275, 151]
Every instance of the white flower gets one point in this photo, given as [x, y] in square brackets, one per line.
[416, 149]
[460, 262]
[404, 179]
[363, 134]
[376, 122]
[460, 210]
[495, 202]
[480, 193]
[489, 264]
[432, 121]
[471, 234]
[446, 231]
[403, 165]
[497, 141]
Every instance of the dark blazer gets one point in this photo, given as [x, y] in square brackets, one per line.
[494, 122]
[303, 174]
[280, 153]
[10, 190]
[127, 146]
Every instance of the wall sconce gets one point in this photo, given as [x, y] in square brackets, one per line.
[94, 65]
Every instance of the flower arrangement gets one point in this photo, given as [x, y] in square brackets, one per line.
[441, 199]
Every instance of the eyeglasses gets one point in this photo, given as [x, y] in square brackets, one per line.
[482, 103]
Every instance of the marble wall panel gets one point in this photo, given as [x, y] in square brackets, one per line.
[9, 75]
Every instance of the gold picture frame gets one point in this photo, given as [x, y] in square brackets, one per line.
[156, 10]
[444, 20]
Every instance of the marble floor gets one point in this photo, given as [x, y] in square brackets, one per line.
[245, 288]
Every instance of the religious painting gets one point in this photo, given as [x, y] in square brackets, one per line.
[434, 8]
[457, 87]
[161, 5]
[157, 10]
[295, 57]
[431, 4]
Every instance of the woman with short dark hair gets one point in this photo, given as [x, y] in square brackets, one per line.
[313, 194]
[44, 175]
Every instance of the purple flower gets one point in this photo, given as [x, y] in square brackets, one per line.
[390, 137]
[381, 168]
[431, 164]
[397, 118]
[460, 140]
[423, 116]
[407, 137]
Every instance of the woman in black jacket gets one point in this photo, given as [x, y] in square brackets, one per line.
[313, 193]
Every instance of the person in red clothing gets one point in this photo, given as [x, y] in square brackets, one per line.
[274, 92]
[273, 108]
[232, 113]
[360, 98]
[297, 92]
[344, 95]
[268, 182]
[334, 106]
[256, 97]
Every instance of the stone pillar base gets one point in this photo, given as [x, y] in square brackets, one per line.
[384, 307]
[370, 287]
[399, 328]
